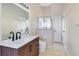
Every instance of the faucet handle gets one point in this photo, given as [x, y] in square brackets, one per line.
[9, 37]
[19, 37]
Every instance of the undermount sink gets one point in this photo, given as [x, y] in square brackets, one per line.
[16, 41]
[7, 41]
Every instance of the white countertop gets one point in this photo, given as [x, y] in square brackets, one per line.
[17, 43]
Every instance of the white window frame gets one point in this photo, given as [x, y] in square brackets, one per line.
[42, 26]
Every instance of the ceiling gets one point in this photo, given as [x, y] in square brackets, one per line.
[45, 4]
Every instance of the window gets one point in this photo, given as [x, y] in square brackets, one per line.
[44, 23]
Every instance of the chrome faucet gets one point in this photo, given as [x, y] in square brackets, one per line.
[18, 37]
[12, 36]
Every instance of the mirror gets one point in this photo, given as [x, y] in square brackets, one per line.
[13, 19]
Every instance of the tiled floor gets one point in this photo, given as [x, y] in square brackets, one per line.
[55, 50]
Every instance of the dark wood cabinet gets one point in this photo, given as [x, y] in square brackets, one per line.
[29, 49]
[0, 51]
[24, 50]
[35, 47]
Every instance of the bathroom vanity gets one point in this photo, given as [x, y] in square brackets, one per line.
[29, 46]
[0, 51]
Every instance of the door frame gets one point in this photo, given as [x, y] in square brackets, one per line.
[61, 30]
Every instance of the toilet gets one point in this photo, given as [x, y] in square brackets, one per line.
[42, 46]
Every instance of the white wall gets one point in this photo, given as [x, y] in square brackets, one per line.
[37, 11]
[56, 9]
[46, 11]
[71, 15]
[71, 18]
[12, 19]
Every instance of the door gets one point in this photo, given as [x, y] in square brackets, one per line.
[56, 29]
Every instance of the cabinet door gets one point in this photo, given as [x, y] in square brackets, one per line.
[6, 51]
[24, 51]
[0, 50]
[35, 47]
[30, 49]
